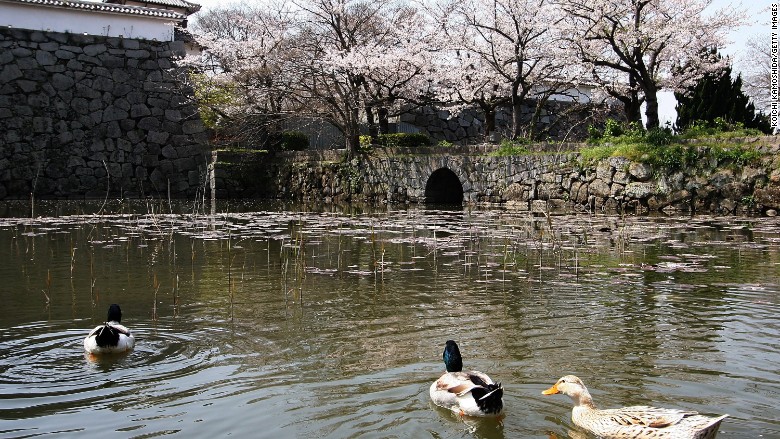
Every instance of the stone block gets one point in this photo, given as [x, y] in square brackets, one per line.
[88, 59]
[193, 126]
[130, 44]
[62, 82]
[64, 54]
[113, 113]
[605, 171]
[173, 115]
[72, 49]
[79, 105]
[6, 57]
[27, 86]
[139, 110]
[102, 83]
[158, 137]
[149, 124]
[42, 125]
[137, 54]
[21, 52]
[112, 62]
[9, 73]
[136, 97]
[640, 171]
[184, 164]
[113, 130]
[45, 58]
[640, 190]
[599, 188]
[95, 49]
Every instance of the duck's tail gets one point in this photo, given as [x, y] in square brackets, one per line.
[489, 398]
[107, 336]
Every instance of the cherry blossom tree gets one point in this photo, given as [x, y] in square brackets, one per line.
[464, 80]
[342, 61]
[757, 71]
[509, 51]
[247, 54]
[364, 56]
[652, 44]
[393, 63]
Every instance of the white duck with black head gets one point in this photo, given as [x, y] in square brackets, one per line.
[110, 337]
[470, 393]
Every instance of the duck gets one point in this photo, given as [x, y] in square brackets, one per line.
[110, 337]
[470, 393]
[638, 422]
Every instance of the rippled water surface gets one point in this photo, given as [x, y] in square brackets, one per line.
[279, 323]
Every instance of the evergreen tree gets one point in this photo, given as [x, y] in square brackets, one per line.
[717, 96]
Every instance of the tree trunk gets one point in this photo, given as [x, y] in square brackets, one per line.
[632, 107]
[632, 104]
[651, 111]
[517, 115]
[373, 128]
[384, 123]
[490, 122]
[352, 133]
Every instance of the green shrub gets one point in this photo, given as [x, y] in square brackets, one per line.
[659, 136]
[594, 134]
[509, 147]
[613, 128]
[616, 132]
[736, 154]
[398, 140]
[719, 128]
[294, 141]
[212, 98]
[365, 142]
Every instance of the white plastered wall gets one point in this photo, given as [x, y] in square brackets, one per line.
[38, 17]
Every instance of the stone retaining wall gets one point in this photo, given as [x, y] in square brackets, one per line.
[88, 116]
[558, 121]
[533, 182]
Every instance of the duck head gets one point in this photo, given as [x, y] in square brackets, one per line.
[452, 358]
[572, 387]
[114, 313]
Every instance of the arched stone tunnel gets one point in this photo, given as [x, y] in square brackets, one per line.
[443, 187]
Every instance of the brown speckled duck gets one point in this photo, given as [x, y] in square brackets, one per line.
[638, 422]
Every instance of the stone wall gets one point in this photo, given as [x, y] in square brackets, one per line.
[531, 182]
[558, 121]
[87, 116]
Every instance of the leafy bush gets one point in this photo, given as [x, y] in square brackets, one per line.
[663, 150]
[396, 140]
[719, 127]
[294, 141]
[613, 128]
[212, 98]
[616, 132]
[659, 136]
[594, 134]
[509, 147]
[365, 143]
[736, 154]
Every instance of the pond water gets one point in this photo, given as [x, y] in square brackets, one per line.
[305, 323]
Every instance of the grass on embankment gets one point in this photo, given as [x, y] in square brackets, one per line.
[662, 149]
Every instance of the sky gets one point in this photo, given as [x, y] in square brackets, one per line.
[758, 18]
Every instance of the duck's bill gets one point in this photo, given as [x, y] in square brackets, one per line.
[551, 391]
